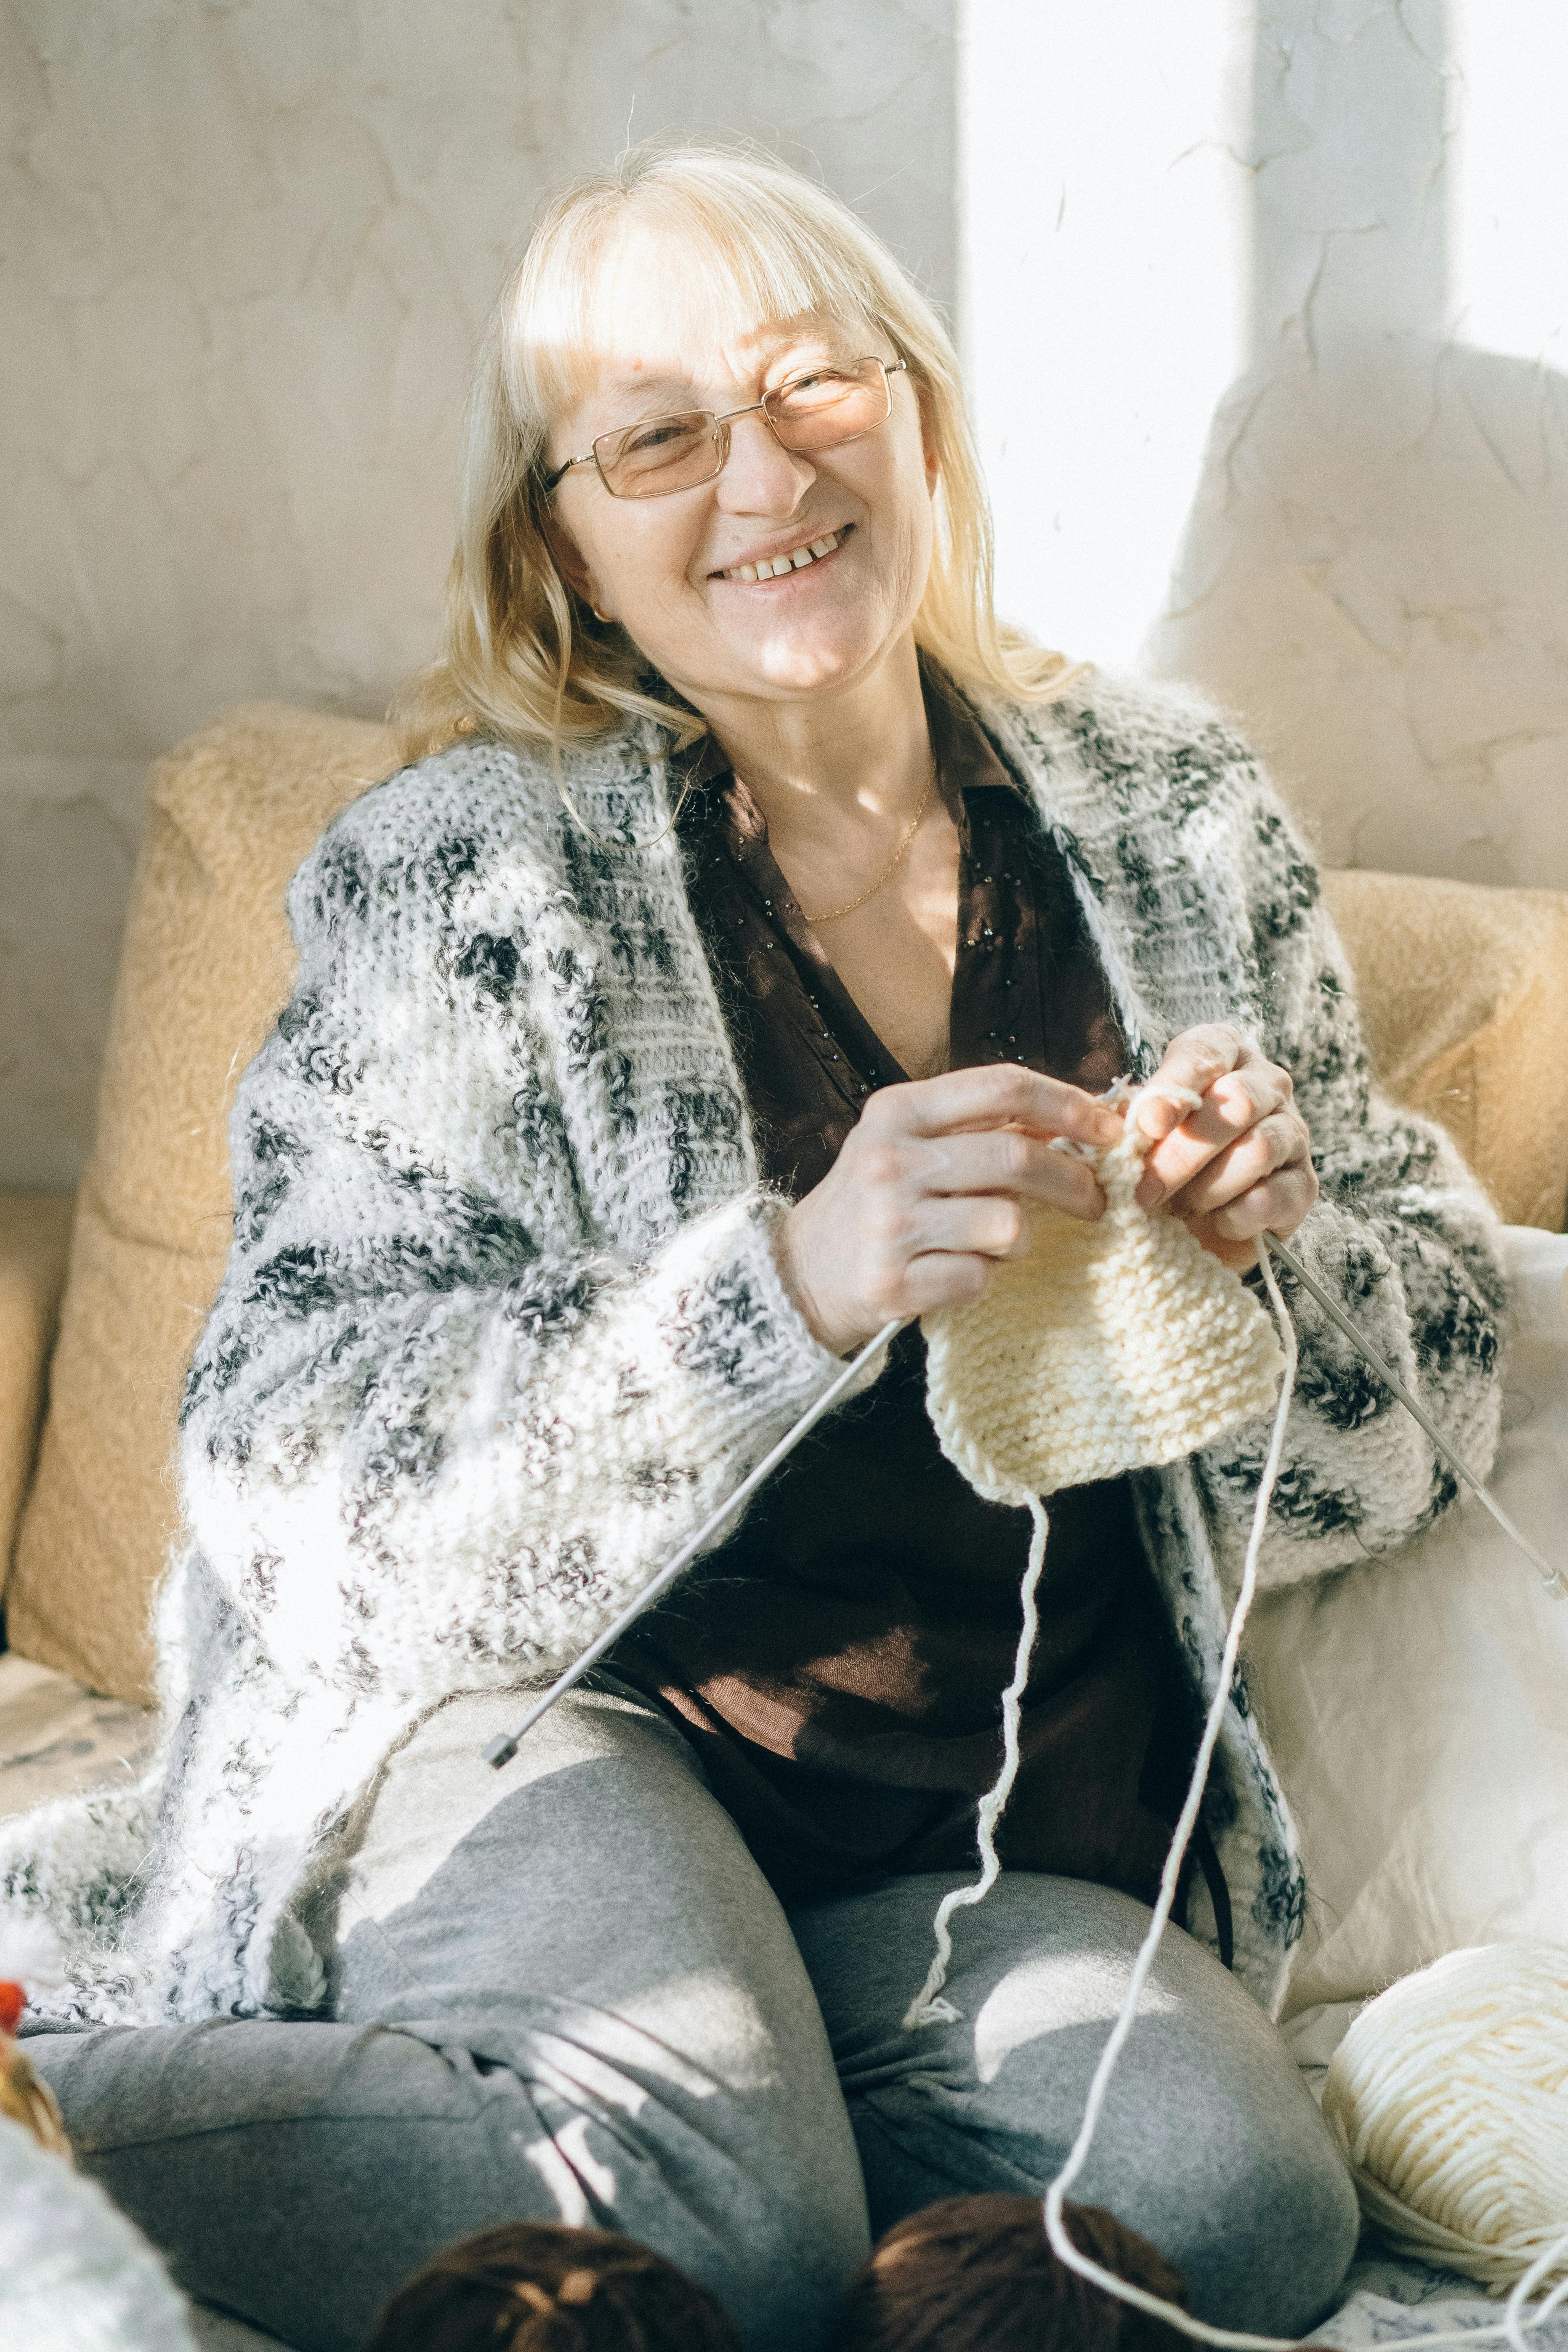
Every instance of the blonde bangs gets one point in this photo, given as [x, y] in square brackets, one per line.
[525, 658]
[741, 268]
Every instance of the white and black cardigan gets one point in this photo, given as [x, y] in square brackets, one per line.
[501, 1322]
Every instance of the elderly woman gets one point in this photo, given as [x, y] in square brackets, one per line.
[711, 992]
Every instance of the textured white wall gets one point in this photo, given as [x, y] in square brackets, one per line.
[247, 247]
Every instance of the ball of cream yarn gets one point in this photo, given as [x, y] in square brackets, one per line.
[1449, 2098]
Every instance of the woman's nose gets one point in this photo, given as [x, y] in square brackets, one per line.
[761, 476]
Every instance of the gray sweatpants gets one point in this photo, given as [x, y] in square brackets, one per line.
[565, 1991]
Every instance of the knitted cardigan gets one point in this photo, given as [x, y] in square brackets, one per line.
[503, 1324]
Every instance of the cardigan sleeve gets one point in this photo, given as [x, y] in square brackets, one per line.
[433, 1438]
[1401, 1235]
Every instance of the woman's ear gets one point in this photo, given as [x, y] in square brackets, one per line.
[570, 562]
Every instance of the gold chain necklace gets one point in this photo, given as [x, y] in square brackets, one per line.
[891, 868]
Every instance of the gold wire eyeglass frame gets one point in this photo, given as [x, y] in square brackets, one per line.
[719, 426]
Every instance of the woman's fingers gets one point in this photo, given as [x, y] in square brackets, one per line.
[997, 1095]
[926, 1195]
[1007, 1161]
[1277, 1142]
[979, 1225]
[1240, 1253]
[1237, 1102]
[1277, 1206]
[1229, 1151]
[1192, 1063]
[944, 1279]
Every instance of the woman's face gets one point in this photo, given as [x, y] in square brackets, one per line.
[664, 567]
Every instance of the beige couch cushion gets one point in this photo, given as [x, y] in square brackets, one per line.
[34, 1237]
[1465, 994]
[206, 964]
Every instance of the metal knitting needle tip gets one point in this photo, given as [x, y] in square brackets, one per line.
[1549, 1577]
[504, 1746]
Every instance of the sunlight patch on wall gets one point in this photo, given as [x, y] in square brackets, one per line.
[1508, 233]
[1102, 273]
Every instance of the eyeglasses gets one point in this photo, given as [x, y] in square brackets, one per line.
[819, 409]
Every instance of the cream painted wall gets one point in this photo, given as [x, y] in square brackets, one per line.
[247, 247]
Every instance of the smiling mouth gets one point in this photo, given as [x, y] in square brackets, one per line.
[815, 551]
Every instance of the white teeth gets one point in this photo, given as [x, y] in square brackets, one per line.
[776, 567]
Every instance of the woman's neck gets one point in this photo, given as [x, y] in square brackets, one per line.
[833, 765]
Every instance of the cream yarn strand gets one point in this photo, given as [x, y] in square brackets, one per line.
[926, 2009]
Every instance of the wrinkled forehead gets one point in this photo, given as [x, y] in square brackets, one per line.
[673, 308]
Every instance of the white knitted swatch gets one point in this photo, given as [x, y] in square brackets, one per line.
[1114, 1346]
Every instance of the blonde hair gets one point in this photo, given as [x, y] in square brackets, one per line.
[523, 656]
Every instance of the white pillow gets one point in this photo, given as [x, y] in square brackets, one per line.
[1418, 1707]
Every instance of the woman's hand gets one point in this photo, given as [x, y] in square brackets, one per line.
[1242, 1161]
[930, 1189]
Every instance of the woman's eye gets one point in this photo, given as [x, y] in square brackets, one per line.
[822, 386]
[663, 433]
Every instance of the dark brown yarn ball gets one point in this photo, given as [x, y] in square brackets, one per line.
[977, 2274]
[539, 2287]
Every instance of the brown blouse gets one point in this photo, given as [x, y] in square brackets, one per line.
[839, 1661]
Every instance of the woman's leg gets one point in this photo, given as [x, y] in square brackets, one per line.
[1209, 2144]
[560, 1992]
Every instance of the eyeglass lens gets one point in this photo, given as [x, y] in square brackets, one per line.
[811, 412]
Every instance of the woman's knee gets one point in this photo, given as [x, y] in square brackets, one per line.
[1242, 2189]
[782, 2263]
[1264, 2220]
[773, 2228]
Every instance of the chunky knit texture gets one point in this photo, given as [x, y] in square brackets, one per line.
[502, 1323]
[1122, 1344]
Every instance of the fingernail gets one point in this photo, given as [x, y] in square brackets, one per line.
[1150, 1192]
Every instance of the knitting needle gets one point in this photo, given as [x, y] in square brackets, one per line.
[1548, 1576]
[504, 1746]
